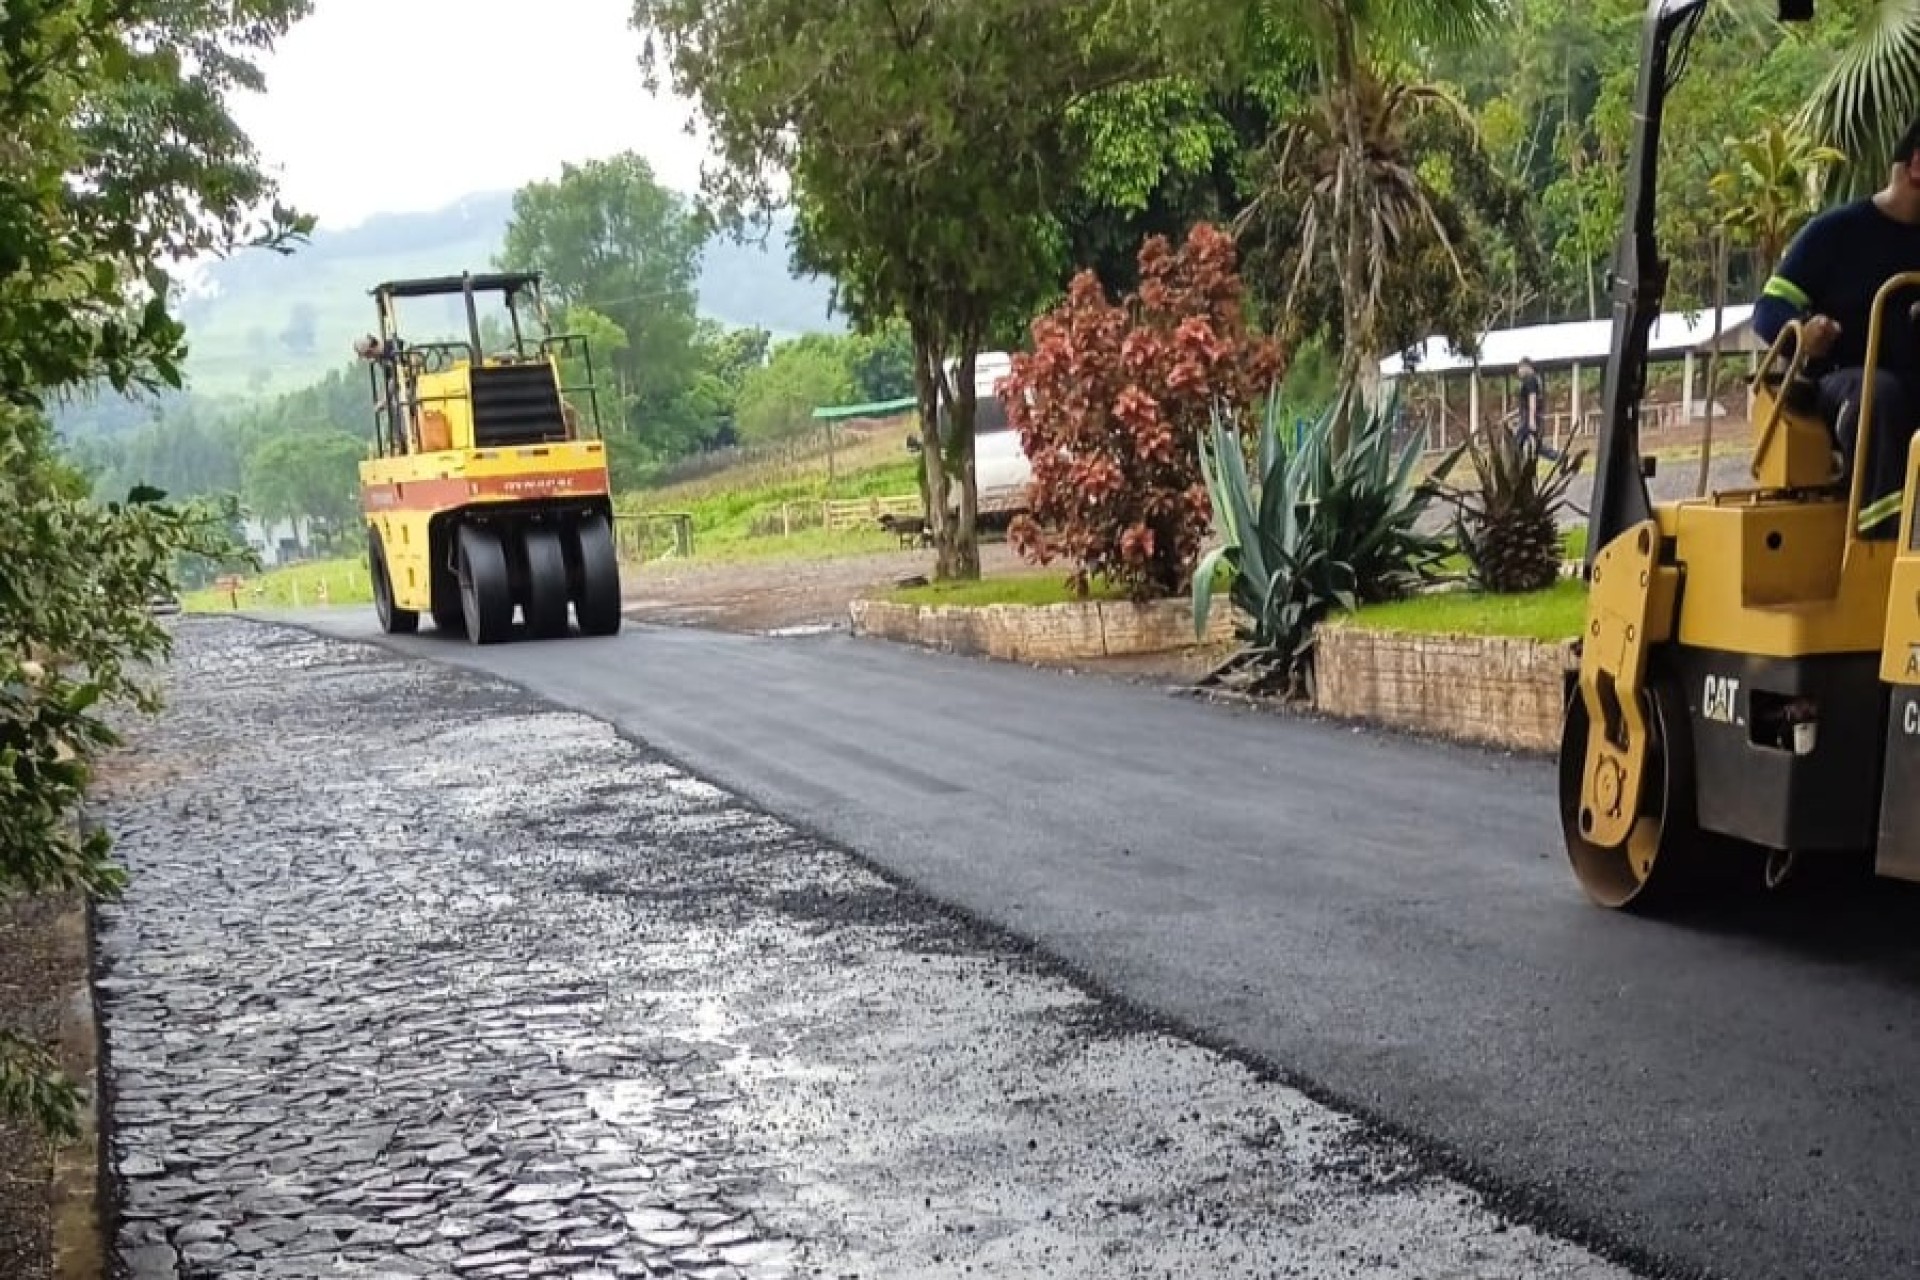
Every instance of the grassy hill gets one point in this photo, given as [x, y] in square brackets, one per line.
[273, 324]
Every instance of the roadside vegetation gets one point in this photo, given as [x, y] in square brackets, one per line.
[339, 580]
[775, 510]
[1011, 588]
[1553, 613]
[124, 164]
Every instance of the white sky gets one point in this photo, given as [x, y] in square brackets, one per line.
[479, 97]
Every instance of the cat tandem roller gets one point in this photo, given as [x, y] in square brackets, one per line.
[1748, 698]
[484, 497]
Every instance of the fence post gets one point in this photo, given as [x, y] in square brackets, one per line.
[786, 519]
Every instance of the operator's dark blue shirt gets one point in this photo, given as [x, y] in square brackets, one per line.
[1834, 268]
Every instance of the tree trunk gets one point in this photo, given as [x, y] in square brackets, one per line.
[929, 387]
[1360, 366]
[960, 460]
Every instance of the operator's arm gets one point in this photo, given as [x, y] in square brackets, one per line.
[1791, 292]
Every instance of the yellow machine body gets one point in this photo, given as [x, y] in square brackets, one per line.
[1733, 689]
[1748, 695]
[485, 497]
[403, 495]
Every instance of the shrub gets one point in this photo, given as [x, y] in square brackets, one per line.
[76, 639]
[1112, 403]
[1507, 526]
[1321, 529]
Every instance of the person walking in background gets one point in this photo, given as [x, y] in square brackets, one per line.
[1533, 412]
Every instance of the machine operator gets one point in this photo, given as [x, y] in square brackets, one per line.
[1828, 280]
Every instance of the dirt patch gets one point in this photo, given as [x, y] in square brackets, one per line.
[761, 596]
[771, 595]
[37, 970]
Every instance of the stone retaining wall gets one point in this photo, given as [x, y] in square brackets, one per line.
[1484, 689]
[1042, 633]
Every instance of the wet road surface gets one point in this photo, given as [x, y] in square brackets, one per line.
[419, 975]
[1389, 922]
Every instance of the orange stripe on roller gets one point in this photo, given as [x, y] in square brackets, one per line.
[434, 495]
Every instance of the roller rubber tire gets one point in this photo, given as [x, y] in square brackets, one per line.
[547, 595]
[486, 591]
[596, 599]
[446, 609]
[394, 620]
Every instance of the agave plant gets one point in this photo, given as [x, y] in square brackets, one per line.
[1320, 529]
[1506, 524]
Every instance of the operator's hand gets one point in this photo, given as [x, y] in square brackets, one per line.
[1818, 335]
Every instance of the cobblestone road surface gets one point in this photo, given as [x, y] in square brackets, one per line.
[417, 976]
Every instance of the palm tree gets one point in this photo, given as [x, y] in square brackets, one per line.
[1359, 193]
[1869, 95]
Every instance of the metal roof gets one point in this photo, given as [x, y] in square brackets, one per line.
[489, 282]
[874, 409]
[1585, 342]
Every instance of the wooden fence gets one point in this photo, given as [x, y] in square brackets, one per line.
[853, 513]
[647, 535]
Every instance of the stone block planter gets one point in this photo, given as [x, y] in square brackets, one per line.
[1041, 633]
[1490, 690]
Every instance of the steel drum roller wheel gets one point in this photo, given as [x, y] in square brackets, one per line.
[1666, 860]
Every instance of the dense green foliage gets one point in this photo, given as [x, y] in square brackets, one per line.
[777, 400]
[1553, 93]
[926, 147]
[121, 160]
[609, 237]
[1488, 193]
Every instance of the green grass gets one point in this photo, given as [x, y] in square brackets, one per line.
[1021, 588]
[775, 512]
[733, 547]
[1576, 542]
[292, 586]
[1557, 613]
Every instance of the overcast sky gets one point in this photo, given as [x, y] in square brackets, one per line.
[479, 96]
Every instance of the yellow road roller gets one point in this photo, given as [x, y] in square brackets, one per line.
[487, 493]
[1747, 705]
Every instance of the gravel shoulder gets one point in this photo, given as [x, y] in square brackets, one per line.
[36, 973]
[419, 975]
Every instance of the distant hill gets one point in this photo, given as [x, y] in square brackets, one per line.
[271, 324]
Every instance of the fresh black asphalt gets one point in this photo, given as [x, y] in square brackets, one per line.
[1390, 923]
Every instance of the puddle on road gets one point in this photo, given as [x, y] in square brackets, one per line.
[805, 629]
[480, 989]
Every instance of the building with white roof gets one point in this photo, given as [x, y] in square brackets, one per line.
[1573, 348]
